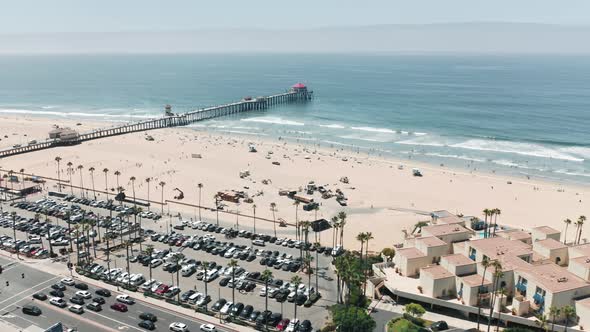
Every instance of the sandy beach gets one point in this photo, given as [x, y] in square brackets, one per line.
[382, 198]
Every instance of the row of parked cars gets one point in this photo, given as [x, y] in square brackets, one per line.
[111, 205]
[246, 312]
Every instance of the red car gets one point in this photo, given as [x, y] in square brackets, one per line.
[162, 289]
[283, 324]
[119, 307]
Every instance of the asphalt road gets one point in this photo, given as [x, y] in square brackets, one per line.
[20, 292]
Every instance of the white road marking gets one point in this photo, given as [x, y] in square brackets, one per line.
[25, 291]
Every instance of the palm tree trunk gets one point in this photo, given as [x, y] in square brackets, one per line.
[565, 234]
[479, 297]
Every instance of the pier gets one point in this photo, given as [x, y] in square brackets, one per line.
[297, 93]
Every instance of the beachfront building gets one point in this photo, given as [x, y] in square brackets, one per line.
[444, 265]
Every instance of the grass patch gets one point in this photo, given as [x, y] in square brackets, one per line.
[402, 325]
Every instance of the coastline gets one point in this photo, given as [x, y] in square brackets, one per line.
[384, 200]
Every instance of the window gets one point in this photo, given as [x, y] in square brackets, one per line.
[540, 291]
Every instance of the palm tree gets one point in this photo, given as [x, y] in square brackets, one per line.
[317, 289]
[495, 282]
[335, 225]
[106, 184]
[486, 213]
[13, 214]
[22, 175]
[485, 263]
[361, 238]
[148, 180]
[175, 260]
[117, 174]
[267, 277]
[309, 271]
[254, 216]
[553, 313]
[567, 222]
[502, 294]
[58, 160]
[542, 322]
[342, 216]
[570, 314]
[205, 265]
[162, 184]
[295, 280]
[296, 204]
[496, 212]
[233, 264]
[80, 167]
[132, 179]
[273, 208]
[91, 170]
[581, 220]
[217, 200]
[368, 237]
[70, 172]
[200, 186]
[150, 252]
[237, 216]
[48, 222]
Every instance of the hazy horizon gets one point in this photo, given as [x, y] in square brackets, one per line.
[456, 38]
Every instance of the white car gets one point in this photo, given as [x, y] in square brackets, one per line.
[258, 242]
[208, 328]
[156, 262]
[59, 302]
[178, 327]
[292, 325]
[226, 308]
[78, 309]
[124, 298]
[67, 281]
[84, 294]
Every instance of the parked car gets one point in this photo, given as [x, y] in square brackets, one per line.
[148, 316]
[124, 298]
[94, 306]
[146, 324]
[58, 301]
[208, 328]
[119, 307]
[178, 327]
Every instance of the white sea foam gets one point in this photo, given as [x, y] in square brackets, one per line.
[333, 126]
[508, 163]
[368, 139]
[374, 130]
[580, 151]
[454, 156]
[274, 120]
[76, 114]
[422, 142]
[572, 173]
[526, 149]
[49, 107]
[241, 132]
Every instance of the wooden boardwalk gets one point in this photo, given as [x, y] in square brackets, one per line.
[183, 119]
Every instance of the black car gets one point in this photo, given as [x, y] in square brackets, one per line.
[103, 292]
[40, 296]
[56, 293]
[146, 324]
[224, 281]
[31, 310]
[250, 286]
[81, 285]
[254, 315]
[246, 312]
[236, 309]
[264, 316]
[300, 299]
[441, 325]
[218, 305]
[274, 319]
[98, 300]
[281, 297]
[60, 287]
[94, 306]
[148, 316]
[304, 326]
[77, 300]
[185, 296]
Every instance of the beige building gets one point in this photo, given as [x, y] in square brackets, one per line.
[470, 288]
[515, 234]
[583, 313]
[580, 266]
[447, 232]
[437, 282]
[409, 261]
[545, 232]
[458, 264]
[432, 247]
[497, 248]
[553, 250]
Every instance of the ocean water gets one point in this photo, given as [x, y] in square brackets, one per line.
[519, 115]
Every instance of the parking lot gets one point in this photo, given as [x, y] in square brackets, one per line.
[197, 243]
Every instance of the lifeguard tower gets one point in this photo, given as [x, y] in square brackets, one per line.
[168, 110]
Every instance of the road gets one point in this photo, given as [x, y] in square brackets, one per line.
[20, 292]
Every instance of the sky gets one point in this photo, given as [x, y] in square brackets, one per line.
[41, 16]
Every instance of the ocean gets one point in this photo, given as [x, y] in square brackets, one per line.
[516, 115]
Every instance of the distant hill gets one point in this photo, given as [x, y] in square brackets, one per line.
[493, 37]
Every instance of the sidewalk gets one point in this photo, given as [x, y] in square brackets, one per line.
[432, 316]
